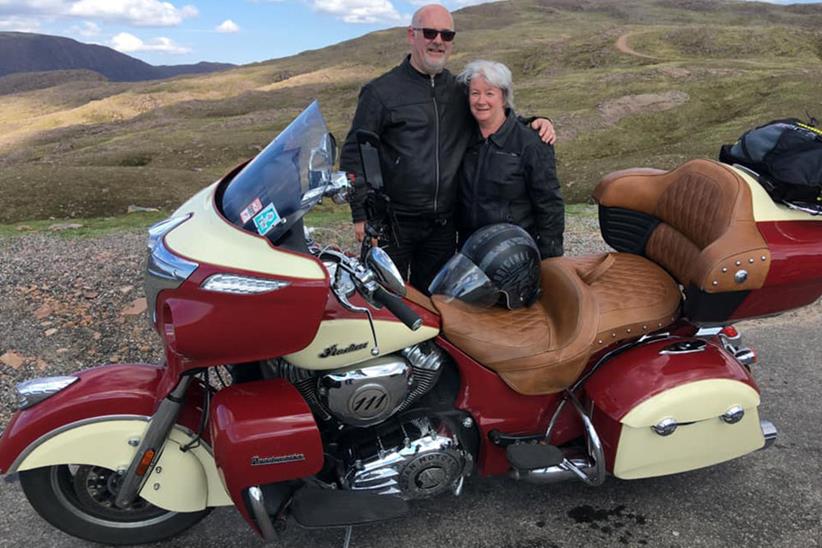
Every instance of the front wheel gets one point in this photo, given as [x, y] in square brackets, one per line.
[79, 500]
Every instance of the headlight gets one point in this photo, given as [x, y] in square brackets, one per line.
[36, 390]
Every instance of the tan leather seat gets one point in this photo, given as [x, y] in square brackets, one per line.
[587, 303]
[707, 229]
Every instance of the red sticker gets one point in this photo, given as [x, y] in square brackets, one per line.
[252, 209]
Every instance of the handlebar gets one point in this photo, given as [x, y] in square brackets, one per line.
[401, 310]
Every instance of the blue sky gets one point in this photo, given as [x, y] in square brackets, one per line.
[240, 31]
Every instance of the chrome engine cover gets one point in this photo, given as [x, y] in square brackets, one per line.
[368, 394]
[426, 466]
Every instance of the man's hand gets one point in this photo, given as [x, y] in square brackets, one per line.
[545, 129]
[359, 231]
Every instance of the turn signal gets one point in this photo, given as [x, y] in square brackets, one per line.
[145, 462]
[730, 332]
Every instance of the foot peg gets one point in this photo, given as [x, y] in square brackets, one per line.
[532, 456]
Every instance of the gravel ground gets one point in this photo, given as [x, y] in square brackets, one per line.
[71, 303]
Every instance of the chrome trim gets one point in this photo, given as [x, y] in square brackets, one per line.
[745, 356]
[368, 394]
[164, 269]
[709, 331]
[688, 346]
[32, 392]
[666, 426]
[385, 270]
[733, 415]
[593, 473]
[388, 472]
[257, 503]
[552, 474]
[769, 432]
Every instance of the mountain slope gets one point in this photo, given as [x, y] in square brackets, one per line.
[27, 52]
[628, 83]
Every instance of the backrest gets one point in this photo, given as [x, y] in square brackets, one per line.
[696, 221]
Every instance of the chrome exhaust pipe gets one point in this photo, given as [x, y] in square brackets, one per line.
[256, 501]
[552, 474]
[769, 432]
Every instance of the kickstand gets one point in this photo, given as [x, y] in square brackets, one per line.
[347, 541]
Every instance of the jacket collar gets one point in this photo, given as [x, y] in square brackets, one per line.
[409, 69]
[500, 137]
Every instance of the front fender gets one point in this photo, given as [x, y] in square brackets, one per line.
[92, 422]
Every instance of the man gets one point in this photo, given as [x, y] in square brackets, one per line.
[420, 112]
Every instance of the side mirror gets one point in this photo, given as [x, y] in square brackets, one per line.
[338, 187]
[321, 161]
[385, 270]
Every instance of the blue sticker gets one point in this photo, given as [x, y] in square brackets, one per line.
[267, 219]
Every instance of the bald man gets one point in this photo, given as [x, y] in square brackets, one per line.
[420, 112]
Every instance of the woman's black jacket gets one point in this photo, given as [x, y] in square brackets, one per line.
[510, 177]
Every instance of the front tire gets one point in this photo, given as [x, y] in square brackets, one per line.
[79, 500]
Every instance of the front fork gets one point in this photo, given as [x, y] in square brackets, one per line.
[151, 446]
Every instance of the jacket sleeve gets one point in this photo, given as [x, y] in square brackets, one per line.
[370, 115]
[546, 199]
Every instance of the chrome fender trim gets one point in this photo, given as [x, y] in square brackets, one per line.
[180, 481]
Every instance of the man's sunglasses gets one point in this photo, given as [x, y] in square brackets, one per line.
[430, 34]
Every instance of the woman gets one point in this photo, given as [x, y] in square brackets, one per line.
[508, 175]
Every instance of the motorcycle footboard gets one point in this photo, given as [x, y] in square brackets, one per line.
[319, 508]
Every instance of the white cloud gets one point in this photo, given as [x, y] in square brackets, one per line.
[227, 26]
[148, 13]
[19, 24]
[87, 29]
[359, 11]
[128, 43]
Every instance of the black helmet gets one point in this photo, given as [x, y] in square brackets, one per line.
[500, 260]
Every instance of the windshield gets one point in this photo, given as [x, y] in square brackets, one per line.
[284, 181]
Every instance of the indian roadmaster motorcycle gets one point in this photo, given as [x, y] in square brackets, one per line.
[372, 394]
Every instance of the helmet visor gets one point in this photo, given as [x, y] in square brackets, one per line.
[461, 279]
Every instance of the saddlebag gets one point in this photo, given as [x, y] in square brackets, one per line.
[672, 406]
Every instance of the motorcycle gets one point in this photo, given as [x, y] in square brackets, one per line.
[353, 394]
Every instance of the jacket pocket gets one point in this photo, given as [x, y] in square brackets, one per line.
[506, 176]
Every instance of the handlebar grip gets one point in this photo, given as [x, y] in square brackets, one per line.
[401, 310]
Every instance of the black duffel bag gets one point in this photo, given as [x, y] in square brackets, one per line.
[787, 156]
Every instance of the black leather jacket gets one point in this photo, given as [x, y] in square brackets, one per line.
[425, 125]
[510, 177]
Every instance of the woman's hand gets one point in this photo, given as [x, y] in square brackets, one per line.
[545, 128]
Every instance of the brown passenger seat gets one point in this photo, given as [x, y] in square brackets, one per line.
[587, 303]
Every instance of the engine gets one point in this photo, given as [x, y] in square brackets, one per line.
[372, 391]
[418, 461]
[414, 459]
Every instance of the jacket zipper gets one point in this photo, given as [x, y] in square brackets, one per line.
[437, 143]
[483, 154]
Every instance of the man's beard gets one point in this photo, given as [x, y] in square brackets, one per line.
[434, 66]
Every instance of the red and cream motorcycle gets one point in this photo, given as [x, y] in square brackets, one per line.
[366, 394]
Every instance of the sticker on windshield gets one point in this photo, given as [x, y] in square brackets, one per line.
[252, 209]
[267, 219]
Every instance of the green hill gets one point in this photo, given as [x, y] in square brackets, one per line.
[628, 83]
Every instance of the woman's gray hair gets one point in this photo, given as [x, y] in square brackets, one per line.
[496, 74]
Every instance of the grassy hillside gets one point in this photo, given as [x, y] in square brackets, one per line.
[628, 83]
